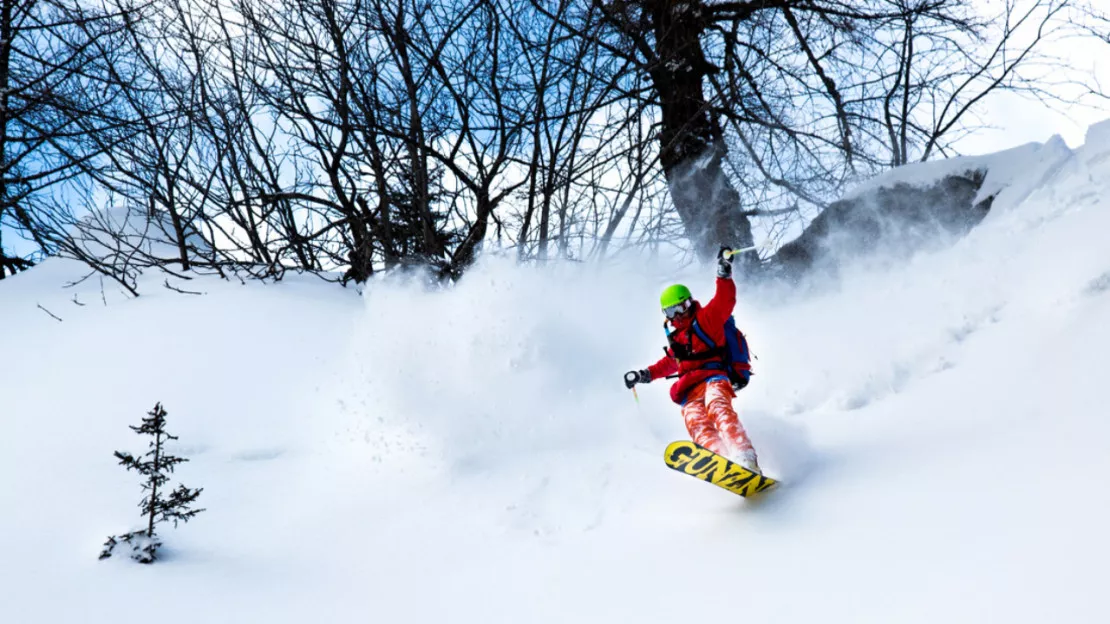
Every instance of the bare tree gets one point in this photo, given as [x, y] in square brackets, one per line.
[765, 105]
[52, 98]
[347, 137]
[1093, 19]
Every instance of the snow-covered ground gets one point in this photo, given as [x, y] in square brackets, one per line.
[471, 455]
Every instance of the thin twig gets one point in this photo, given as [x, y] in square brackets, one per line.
[48, 312]
[184, 292]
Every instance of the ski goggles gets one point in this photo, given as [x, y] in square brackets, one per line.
[678, 308]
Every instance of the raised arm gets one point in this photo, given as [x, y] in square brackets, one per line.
[721, 305]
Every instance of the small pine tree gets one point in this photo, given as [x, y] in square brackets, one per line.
[156, 465]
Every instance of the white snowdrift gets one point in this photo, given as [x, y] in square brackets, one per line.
[470, 454]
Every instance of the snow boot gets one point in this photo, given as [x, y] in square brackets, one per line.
[746, 458]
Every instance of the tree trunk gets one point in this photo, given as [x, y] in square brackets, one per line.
[154, 481]
[693, 150]
[177, 222]
[467, 250]
[6, 34]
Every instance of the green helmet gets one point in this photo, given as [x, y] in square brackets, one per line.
[674, 295]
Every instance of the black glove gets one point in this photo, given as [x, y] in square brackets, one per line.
[631, 378]
[724, 263]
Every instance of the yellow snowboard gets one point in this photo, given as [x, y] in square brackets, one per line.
[697, 461]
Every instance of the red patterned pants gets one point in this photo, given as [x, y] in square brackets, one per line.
[711, 421]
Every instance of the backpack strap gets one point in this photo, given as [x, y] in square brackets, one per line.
[704, 336]
[681, 352]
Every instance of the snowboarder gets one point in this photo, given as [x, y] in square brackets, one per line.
[697, 354]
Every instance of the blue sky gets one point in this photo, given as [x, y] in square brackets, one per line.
[1012, 120]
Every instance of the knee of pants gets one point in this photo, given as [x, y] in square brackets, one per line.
[720, 409]
[696, 416]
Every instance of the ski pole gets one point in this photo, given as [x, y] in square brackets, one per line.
[736, 252]
[631, 377]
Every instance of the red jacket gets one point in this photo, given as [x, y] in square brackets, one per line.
[711, 318]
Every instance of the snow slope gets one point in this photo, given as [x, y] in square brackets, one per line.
[470, 454]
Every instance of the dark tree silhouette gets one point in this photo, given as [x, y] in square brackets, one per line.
[156, 465]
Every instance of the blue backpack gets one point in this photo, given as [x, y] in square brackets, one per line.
[737, 357]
